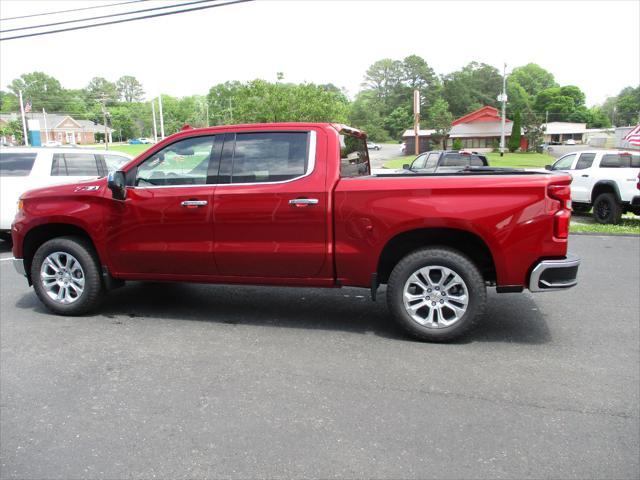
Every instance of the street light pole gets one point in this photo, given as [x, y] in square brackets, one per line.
[503, 98]
[153, 113]
[161, 117]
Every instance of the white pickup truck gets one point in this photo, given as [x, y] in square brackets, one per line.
[607, 180]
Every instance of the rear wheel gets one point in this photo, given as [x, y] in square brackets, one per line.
[606, 209]
[436, 294]
[66, 276]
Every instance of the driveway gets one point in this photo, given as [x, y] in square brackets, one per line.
[194, 381]
[387, 151]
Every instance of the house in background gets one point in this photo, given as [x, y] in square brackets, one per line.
[560, 132]
[480, 130]
[427, 141]
[61, 128]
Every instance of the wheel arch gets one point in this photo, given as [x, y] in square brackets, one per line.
[40, 234]
[468, 243]
[605, 186]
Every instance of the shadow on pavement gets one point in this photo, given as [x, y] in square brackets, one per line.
[510, 318]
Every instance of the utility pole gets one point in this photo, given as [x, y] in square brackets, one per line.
[206, 104]
[161, 117]
[153, 113]
[104, 118]
[24, 121]
[46, 130]
[416, 119]
[503, 98]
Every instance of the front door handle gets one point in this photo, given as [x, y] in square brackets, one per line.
[303, 202]
[194, 203]
[585, 175]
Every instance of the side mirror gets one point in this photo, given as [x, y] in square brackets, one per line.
[547, 167]
[406, 166]
[117, 184]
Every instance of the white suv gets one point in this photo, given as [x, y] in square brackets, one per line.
[607, 180]
[22, 169]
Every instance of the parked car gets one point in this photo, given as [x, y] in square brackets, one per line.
[146, 140]
[135, 141]
[295, 205]
[607, 180]
[373, 146]
[52, 143]
[438, 161]
[22, 169]
[570, 141]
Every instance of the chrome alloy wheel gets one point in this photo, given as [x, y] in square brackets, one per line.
[435, 296]
[62, 277]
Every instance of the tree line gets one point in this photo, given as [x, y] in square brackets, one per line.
[383, 107]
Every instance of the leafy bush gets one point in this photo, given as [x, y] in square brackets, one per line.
[457, 144]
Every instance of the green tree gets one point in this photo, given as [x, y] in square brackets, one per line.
[130, 89]
[628, 106]
[439, 119]
[398, 121]
[533, 127]
[102, 90]
[8, 102]
[42, 90]
[476, 85]
[563, 104]
[457, 144]
[516, 133]
[12, 129]
[532, 78]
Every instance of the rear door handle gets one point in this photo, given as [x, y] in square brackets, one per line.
[303, 202]
[194, 203]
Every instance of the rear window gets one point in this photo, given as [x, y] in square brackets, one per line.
[16, 164]
[620, 160]
[458, 160]
[354, 157]
[74, 165]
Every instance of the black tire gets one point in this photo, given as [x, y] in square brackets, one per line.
[606, 209]
[443, 257]
[84, 253]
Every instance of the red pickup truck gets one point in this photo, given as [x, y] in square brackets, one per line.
[295, 204]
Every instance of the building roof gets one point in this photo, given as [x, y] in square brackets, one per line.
[421, 133]
[558, 128]
[484, 114]
[482, 129]
[55, 119]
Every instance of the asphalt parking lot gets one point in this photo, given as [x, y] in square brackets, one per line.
[192, 381]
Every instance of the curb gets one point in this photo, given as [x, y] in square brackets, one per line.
[605, 234]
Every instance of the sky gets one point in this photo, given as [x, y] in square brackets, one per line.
[592, 44]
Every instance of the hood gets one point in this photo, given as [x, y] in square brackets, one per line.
[93, 186]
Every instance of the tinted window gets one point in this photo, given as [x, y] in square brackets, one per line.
[585, 161]
[16, 164]
[269, 157]
[620, 160]
[459, 160]
[564, 163]
[354, 157]
[74, 164]
[182, 163]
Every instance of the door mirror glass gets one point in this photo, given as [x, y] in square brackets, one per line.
[117, 184]
[406, 166]
[547, 167]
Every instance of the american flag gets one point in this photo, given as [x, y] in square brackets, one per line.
[633, 137]
[27, 107]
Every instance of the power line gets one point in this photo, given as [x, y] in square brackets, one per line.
[119, 14]
[114, 22]
[72, 10]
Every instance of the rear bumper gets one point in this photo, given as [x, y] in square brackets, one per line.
[18, 264]
[549, 275]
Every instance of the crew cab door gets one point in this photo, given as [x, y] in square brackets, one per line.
[270, 205]
[164, 226]
[583, 178]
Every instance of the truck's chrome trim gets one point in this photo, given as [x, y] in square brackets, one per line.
[18, 264]
[538, 284]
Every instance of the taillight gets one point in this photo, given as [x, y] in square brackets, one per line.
[562, 218]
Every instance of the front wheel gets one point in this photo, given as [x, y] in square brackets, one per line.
[436, 294]
[66, 276]
[606, 209]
